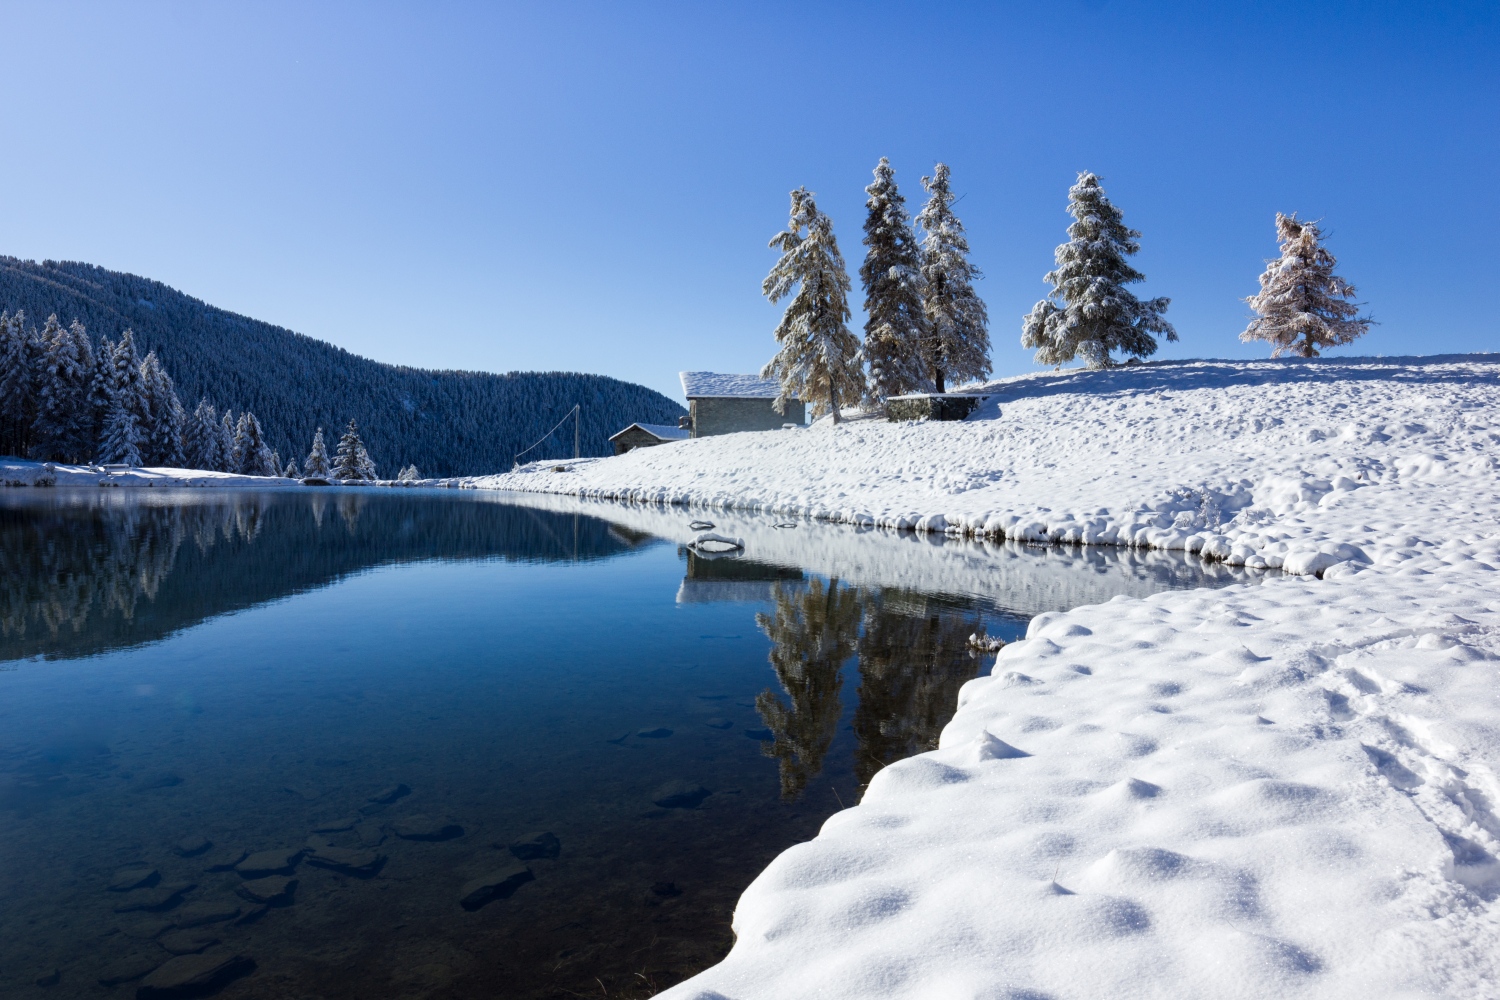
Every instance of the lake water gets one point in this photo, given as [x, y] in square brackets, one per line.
[475, 745]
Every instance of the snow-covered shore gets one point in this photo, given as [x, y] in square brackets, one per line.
[1283, 789]
[22, 472]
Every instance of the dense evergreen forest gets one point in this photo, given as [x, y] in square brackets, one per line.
[444, 422]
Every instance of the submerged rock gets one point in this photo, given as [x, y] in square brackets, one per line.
[183, 942]
[347, 860]
[134, 878]
[659, 733]
[147, 929]
[370, 834]
[337, 825]
[263, 863]
[49, 978]
[426, 828]
[499, 884]
[386, 796]
[718, 722]
[157, 898]
[225, 859]
[194, 975]
[191, 847]
[128, 969]
[760, 734]
[536, 845]
[274, 890]
[680, 795]
[205, 912]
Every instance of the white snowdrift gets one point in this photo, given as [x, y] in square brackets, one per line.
[22, 472]
[1286, 789]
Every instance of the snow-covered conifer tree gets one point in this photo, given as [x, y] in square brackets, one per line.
[18, 363]
[348, 463]
[228, 460]
[408, 474]
[819, 360]
[165, 416]
[1090, 313]
[200, 439]
[892, 277]
[239, 453]
[366, 464]
[124, 427]
[276, 467]
[316, 466]
[62, 429]
[253, 455]
[956, 342]
[1302, 304]
[291, 471]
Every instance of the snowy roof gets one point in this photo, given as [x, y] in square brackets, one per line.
[666, 432]
[698, 385]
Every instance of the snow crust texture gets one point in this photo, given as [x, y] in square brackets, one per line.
[1281, 789]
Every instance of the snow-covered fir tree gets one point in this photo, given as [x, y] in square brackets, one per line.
[366, 464]
[253, 457]
[409, 474]
[316, 465]
[1090, 313]
[229, 461]
[165, 417]
[277, 469]
[18, 363]
[124, 409]
[200, 437]
[351, 458]
[1302, 305]
[819, 361]
[63, 427]
[956, 341]
[291, 471]
[892, 278]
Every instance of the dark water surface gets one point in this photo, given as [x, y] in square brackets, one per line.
[502, 750]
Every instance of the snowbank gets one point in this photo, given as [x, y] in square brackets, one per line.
[21, 472]
[1287, 789]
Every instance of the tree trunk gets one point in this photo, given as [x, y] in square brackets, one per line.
[938, 372]
[833, 403]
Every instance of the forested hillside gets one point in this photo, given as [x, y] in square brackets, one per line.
[444, 422]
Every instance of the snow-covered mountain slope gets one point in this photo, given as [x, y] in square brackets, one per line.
[1291, 464]
[1286, 789]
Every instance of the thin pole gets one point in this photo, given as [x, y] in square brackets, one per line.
[577, 419]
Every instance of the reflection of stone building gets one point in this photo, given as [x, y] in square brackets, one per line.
[730, 578]
[724, 404]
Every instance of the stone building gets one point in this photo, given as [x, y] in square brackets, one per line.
[723, 404]
[645, 435]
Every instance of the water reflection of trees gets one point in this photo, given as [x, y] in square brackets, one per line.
[913, 656]
[83, 573]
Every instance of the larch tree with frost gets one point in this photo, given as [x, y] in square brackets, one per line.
[1090, 313]
[1303, 305]
[316, 466]
[892, 278]
[956, 342]
[125, 408]
[351, 458]
[819, 360]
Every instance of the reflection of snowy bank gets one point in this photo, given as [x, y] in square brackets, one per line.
[1027, 579]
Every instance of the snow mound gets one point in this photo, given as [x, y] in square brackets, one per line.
[22, 472]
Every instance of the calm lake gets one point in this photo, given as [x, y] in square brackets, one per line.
[409, 743]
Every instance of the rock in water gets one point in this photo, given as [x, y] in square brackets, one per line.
[203, 913]
[659, 733]
[499, 884]
[386, 796]
[337, 825]
[226, 859]
[49, 978]
[263, 863]
[134, 878]
[680, 795]
[347, 860]
[187, 942]
[191, 847]
[370, 833]
[194, 975]
[156, 898]
[426, 828]
[274, 890]
[128, 969]
[536, 845]
[718, 722]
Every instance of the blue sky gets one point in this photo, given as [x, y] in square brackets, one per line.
[591, 186]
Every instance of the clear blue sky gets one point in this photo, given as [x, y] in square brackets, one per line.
[591, 186]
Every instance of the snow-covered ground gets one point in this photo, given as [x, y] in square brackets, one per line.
[1282, 789]
[22, 472]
